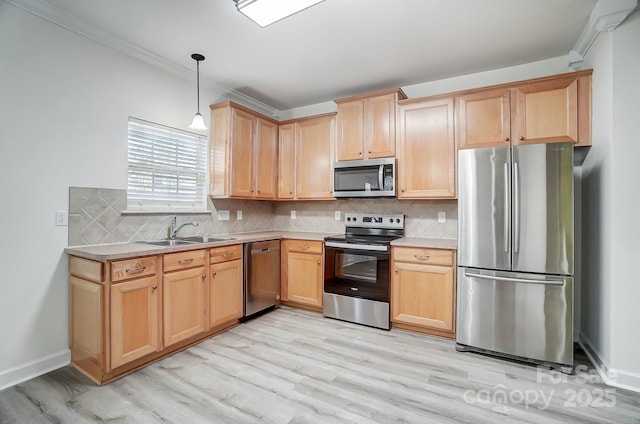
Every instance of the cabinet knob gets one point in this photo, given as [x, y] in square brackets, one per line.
[521, 137]
[359, 152]
[369, 151]
[318, 262]
[291, 192]
[395, 270]
[155, 286]
[506, 139]
[214, 273]
[258, 190]
[204, 275]
[251, 190]
[402, 190]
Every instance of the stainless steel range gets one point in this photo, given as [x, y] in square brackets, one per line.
[357, 277]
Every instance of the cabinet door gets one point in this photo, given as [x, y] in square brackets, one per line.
[286, 161]
[483, 119]
[380, 126]
[350, 130]
[241, 166]
[304, 278]
[423, 295]
[184, 312]
[266, 159]
[225, 293]
[546, 112]
[314, 141]
[135, 320]
[426, 150]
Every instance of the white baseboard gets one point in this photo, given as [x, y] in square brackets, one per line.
[33, 369]
[611, 376]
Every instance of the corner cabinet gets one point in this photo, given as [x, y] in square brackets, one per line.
[544, 110]
[302, 273]
[244, 153]
[426, 149]
[305, 160]
[366, 126]
[423, 290]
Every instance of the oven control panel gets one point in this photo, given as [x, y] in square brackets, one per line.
[374, 220]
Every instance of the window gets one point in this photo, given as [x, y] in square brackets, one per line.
[167, 169]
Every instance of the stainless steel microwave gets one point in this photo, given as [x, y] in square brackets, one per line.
[365, 178]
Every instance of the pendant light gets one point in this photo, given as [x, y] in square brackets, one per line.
[198, 121]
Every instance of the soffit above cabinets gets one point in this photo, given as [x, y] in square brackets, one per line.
[334, 49]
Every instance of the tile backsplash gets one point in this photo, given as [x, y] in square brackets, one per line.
[95, 217]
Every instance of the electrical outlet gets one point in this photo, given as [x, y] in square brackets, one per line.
[442, 217]
[223, 215]
[62, 218]
[293, 214]
[239, 215]
[336, 215]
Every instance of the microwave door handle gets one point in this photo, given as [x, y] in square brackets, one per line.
[380, 177]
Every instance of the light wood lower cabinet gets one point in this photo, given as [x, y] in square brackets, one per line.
[225, 288]
[423, 290]
[125, 314]
[135, 319]
[302, 277]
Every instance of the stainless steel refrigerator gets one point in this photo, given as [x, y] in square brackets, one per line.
[516, 252]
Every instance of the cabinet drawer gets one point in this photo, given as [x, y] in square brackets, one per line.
[304, 246]
[86, 269]
[423, 256]
[183, 260]
[133, 268]
[225, 253]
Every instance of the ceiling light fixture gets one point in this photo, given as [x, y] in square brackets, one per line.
[266, 12]
[198, 121]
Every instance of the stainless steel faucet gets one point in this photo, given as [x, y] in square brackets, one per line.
[175, 228]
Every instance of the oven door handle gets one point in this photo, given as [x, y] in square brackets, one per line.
[354, 246]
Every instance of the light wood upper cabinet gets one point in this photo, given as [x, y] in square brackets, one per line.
[426, 149]
[366, 126]
[423, 290]
[314, 152]
[287, 161]
[135, 319]
[244, 153]
[544, 110]
[483, 119]
[266, 159]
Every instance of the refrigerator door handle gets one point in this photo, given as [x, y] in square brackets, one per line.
[507, 197]
[513, 279]
[516, 207]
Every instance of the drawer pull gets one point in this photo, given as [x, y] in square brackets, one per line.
[135, 269]
[227, 254]
[303, 246]
[185, 261]
[422, 257]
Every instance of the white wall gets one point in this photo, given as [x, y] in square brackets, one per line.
[611, 200]
[64, 105]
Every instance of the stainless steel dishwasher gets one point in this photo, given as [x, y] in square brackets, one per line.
[261, 277]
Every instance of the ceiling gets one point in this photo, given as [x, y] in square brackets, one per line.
[337, 48]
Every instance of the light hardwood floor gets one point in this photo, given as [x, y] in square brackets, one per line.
[293, 366]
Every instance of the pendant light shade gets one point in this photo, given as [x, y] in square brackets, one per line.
[198, 122]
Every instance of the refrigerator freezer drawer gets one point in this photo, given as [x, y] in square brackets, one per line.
[516, 314]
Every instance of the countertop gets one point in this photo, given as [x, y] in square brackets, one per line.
[113, 251]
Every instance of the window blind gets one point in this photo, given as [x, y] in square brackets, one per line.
[167, 168]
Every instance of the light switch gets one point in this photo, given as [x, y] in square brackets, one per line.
[223, 215]
[442, 217]
[62, 218]
[293, 214]
[239, 215]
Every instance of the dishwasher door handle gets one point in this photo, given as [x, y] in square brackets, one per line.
[263, 250]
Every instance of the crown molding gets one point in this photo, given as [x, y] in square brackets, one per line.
[605, 16]
[73, 23]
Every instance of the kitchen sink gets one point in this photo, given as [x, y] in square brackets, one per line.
[167, 242]
[204, 239]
